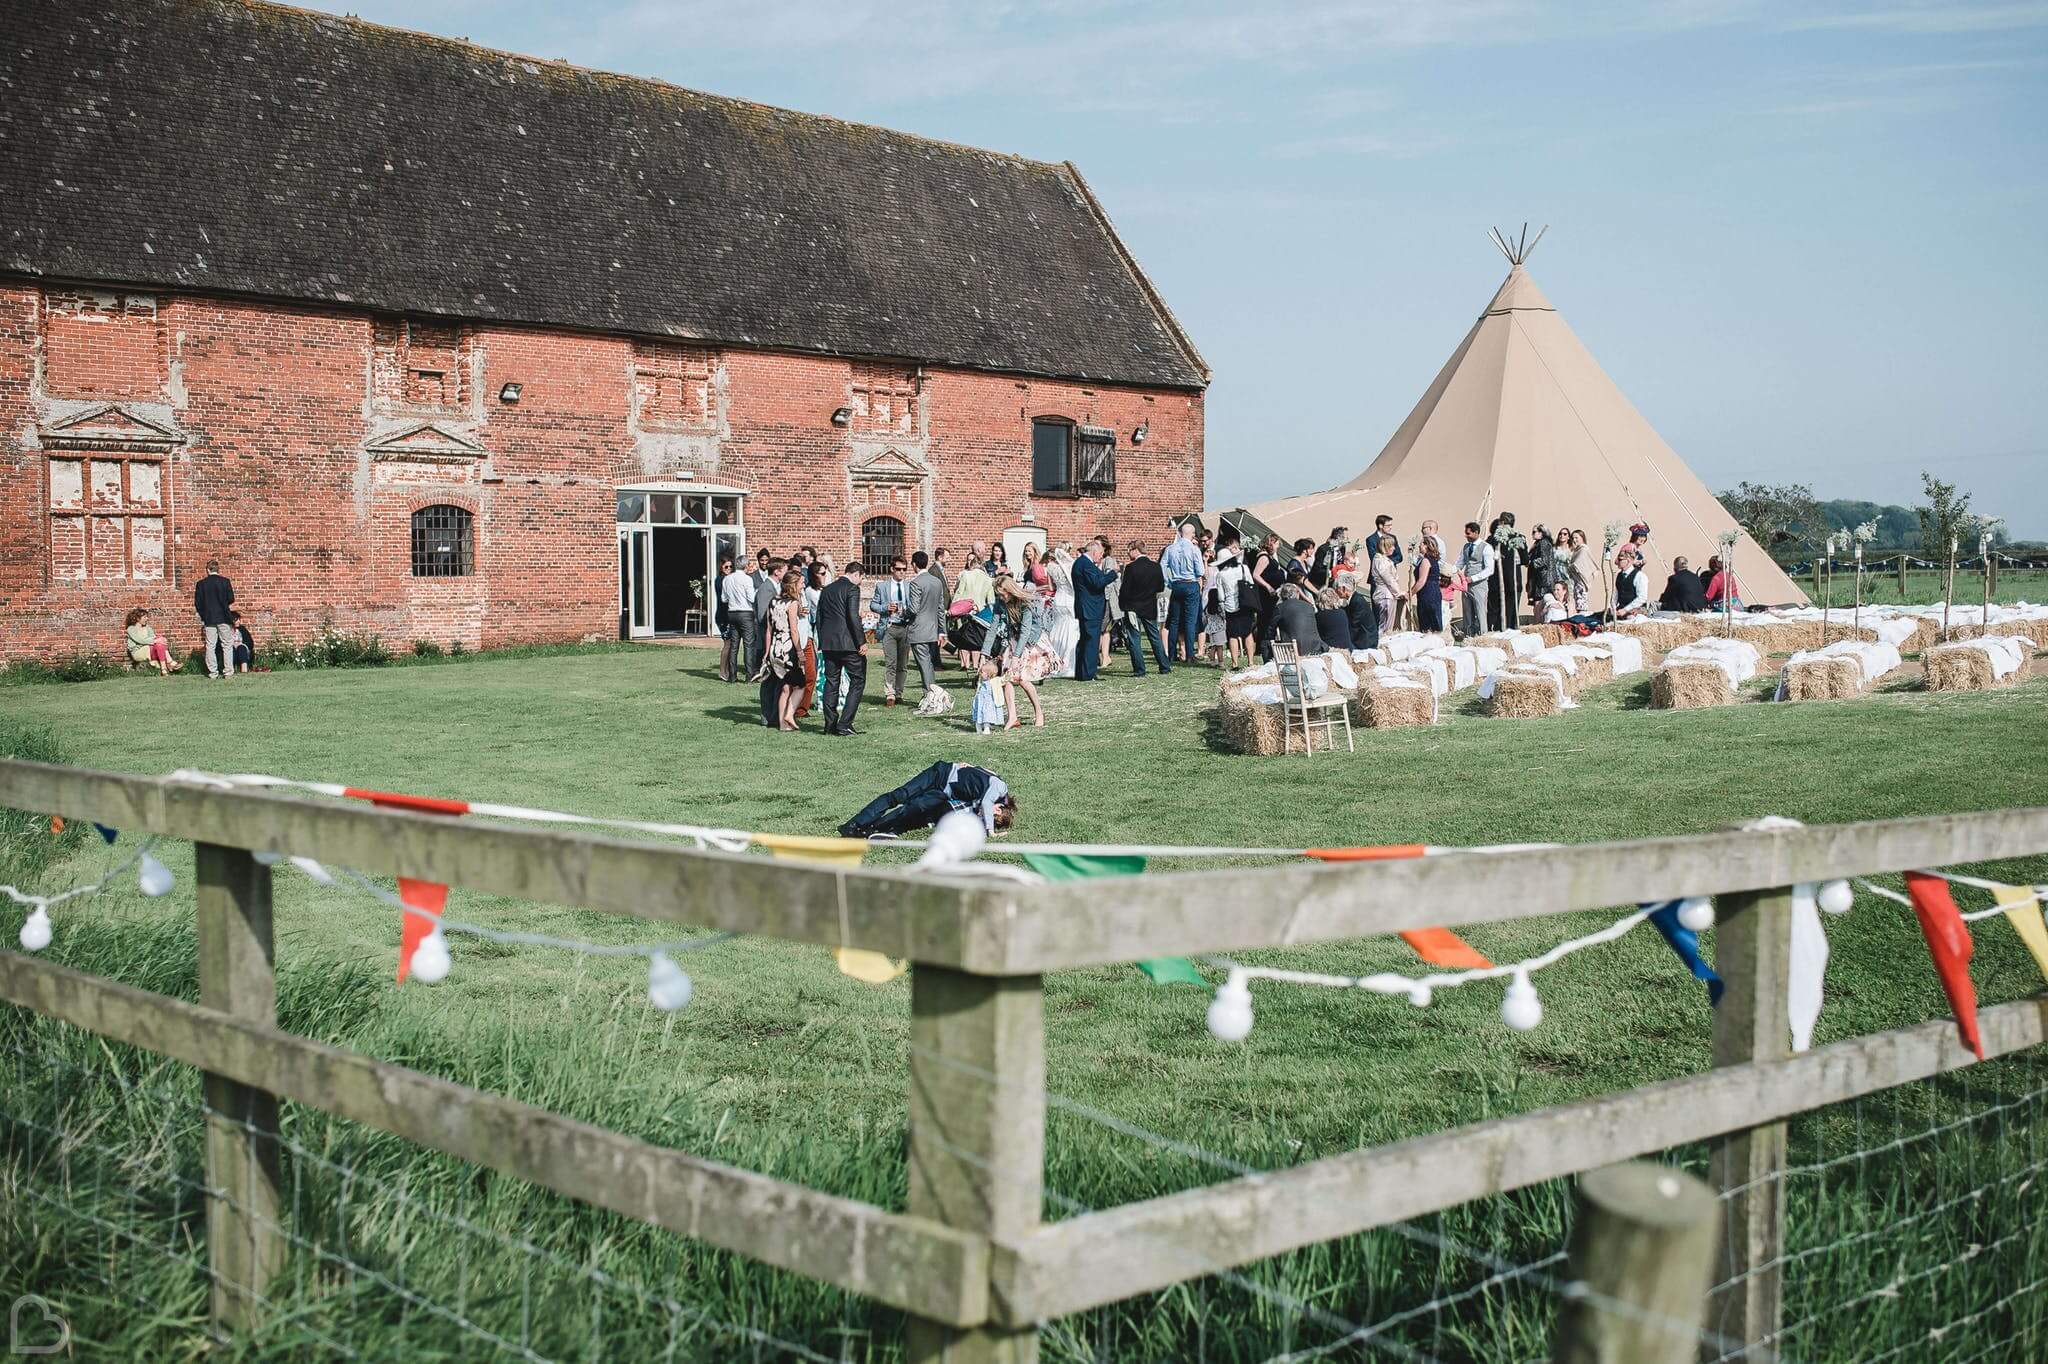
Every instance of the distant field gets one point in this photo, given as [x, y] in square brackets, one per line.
[782, 1064]
[1881, 586]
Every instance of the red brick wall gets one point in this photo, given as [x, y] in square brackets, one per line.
[280, 406]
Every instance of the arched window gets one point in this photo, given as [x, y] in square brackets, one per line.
[443, 542]
[881, 544]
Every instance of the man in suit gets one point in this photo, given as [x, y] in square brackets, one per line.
[1138, 594]
[844, 644]
[1091, 587]
[1360, 612]
[1329, 554]
[891, 603]
[211, 598]
[1683, 591]
[766, 585]
[930, 796]
[927, 613]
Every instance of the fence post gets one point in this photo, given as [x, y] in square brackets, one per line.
[1643, 1247]
[1902, 577]
[977, 1132]
[245, 1244]
[1752, 952]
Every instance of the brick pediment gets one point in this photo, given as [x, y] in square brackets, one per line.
[891, 465]
[109, 426]
[426, 442]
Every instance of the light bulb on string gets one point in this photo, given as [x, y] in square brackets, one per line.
[430, 960]
[154, 879]
[1696, 913]
[36, 931]
[1835, 897]
[1419, 995]
[668, 987]
[958, 837]
[1520, 1009]
[1230, 1013]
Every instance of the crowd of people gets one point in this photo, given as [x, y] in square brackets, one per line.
[801, 627]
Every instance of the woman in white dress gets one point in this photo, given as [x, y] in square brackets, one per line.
[1062, 628]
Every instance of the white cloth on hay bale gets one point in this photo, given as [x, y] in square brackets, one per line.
[1319, 672]
[1491, 682]
[1874, 660]
[2008, 653]
[1736, 657]
[1370, 658]
[1406, 644]
[1626, 649]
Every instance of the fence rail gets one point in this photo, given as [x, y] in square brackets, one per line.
[969, 1260]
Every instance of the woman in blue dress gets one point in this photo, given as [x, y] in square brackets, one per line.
[1429, 592]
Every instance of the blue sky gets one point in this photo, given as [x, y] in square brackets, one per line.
[1805, 239]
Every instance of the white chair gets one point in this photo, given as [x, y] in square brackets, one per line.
[1315, 712]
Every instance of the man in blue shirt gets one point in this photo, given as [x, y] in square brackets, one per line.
[1182, 565]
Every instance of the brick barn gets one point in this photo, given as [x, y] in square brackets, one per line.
[450, 344]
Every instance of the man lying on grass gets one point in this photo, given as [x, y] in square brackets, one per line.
[930, 795]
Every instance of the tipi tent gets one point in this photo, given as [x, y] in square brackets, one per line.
[1523, 419]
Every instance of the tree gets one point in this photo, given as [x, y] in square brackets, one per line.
[1776, 514]
[1946, 515]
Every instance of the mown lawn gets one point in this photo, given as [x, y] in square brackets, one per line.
[783, 1065]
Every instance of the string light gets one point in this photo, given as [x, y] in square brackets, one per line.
[430, 960]
[1519, 1008]
[154, 878]
[1835, 897]
[668, 988]
[1696, 913]
[1230, 1013]
[35, 930]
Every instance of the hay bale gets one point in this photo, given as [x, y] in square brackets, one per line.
[2032, 631]
[1551, 635]
[1375, 705]
[1514, 643]
[1821, 679]
[1594, 670]
[1521, 694]
[1690, 686]
[1967, 667]
[1258, 729]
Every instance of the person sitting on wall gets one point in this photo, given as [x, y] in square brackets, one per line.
[930, 795]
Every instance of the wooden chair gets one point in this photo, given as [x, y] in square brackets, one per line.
[1315, 712]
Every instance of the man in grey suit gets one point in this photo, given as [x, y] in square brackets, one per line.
[927, 615]
[765, 590]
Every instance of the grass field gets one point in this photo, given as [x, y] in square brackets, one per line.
[1881, 586]
[785, 1066]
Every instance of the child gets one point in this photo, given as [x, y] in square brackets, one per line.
[989, 698]
[1559, 604]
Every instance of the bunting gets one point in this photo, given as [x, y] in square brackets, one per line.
[1806, 968]
[430, 898]
[2023, 911]
[1437, 946]
[1948, 943]
[861, 963]
[1686, 943]
[1076, 866]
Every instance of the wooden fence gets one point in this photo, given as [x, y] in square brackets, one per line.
[970, 1260]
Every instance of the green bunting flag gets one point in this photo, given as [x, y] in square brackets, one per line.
[1075, 866]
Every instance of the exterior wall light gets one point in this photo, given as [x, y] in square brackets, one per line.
[1138, 436]
[510, 393]
[842, 416]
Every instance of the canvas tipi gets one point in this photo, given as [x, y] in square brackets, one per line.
[1523, 419]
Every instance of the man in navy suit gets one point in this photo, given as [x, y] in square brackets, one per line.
[1091, 587]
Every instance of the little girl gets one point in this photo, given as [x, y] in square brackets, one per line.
[989, 698]
[1559, 604]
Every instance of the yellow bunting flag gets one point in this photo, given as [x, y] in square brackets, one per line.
[2023, 911]
[858, 962]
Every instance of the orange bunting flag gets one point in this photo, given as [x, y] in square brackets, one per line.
[426, 805]
[56, 824]
[428, 896]
[1441, 947]
[1948, 942]
[1387, 853]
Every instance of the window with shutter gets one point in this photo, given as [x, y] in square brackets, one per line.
[1095, 459]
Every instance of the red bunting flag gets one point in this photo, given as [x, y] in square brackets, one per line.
[430, 897]
[1948, 942]
[1437, 946]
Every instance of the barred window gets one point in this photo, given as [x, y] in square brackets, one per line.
[881, 544]
[443, 542]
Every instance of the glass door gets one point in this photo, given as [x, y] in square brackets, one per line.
[636, 580]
